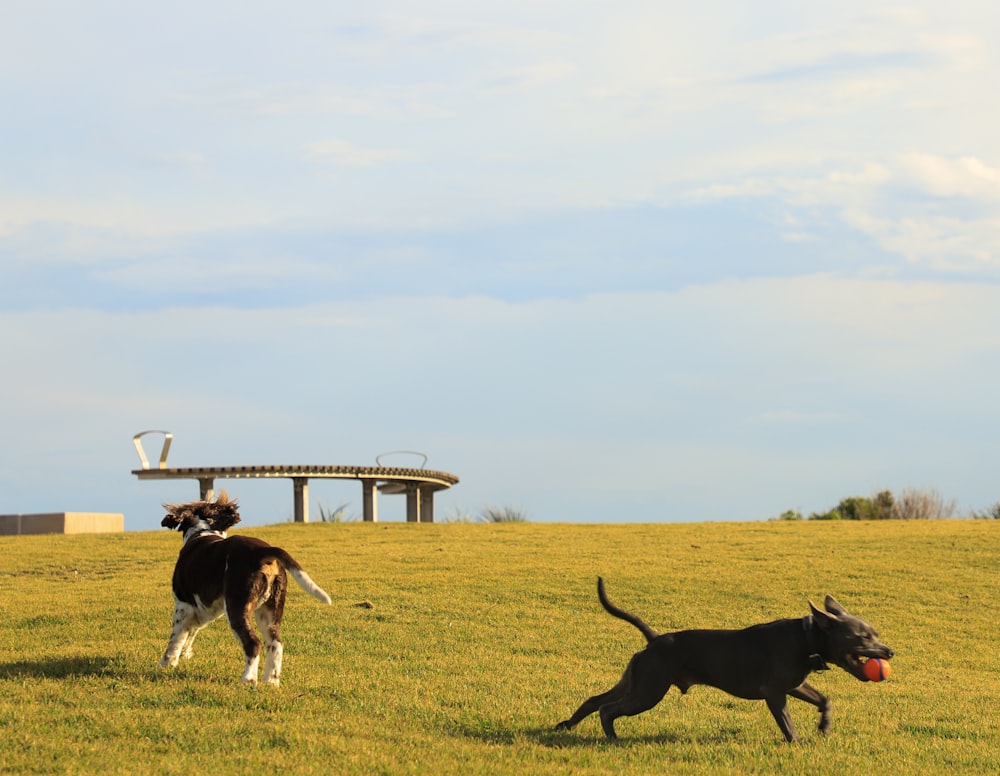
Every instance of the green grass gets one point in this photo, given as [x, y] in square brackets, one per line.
[482, 636]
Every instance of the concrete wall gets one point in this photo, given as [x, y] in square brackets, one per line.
[62, 522]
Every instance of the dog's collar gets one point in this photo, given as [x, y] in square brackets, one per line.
[201, 529]
[816, 661]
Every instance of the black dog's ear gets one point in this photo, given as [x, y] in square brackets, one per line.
[821, 618]
[833, 607]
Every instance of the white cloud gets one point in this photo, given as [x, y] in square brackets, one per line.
[533, 75]
[303, 100]
[942, 213]
[342, 153]
[947, 244]
[869, 174]
[111, 217]
[209, 276]
[964, 176]
[956, 230]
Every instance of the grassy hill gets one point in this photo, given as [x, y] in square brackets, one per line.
[480, 637]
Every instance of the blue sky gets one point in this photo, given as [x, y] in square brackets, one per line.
[648, 263]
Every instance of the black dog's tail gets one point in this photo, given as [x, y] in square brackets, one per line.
[648, 632]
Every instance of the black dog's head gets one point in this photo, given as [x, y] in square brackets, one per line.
[219, 515]
[848, 638]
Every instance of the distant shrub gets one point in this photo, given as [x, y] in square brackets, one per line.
[338, 514]
[923, 505]
[457, 515]
[913, 504]
[859, 508]
[878, 507]
[833, 514]
[502, 515]
[990, 513]
[790, 514]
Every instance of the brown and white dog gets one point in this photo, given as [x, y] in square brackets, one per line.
[238, 576]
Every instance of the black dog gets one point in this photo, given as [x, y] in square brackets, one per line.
[239, 576]
[764, 662]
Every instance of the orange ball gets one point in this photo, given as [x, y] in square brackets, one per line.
[877, 669]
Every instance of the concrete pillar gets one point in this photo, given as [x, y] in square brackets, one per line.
[419, 504]
[412, 504]
[206, 487]
[369, 491]
[300, 486]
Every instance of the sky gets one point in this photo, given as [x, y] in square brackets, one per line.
[657, 262]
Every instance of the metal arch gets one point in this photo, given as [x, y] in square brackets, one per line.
[167, 439]
[380, 456]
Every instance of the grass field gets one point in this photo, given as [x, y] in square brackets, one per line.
[482, 636]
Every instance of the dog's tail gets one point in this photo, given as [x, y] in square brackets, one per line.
[299, 574]
[621, 614]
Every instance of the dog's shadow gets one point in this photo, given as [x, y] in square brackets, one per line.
[560, 739]
[64, 668]
[564, 739]
[112, 667]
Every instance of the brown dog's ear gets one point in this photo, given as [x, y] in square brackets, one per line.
[176, 517]
[224, 519]
[179, 516]
[223, 513]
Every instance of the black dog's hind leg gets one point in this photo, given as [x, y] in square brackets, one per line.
[809, 694]
[642, 686]
[588, 707]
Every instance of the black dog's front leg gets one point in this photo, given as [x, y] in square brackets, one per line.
[779, 708]
[809, 694]
[804, 692]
